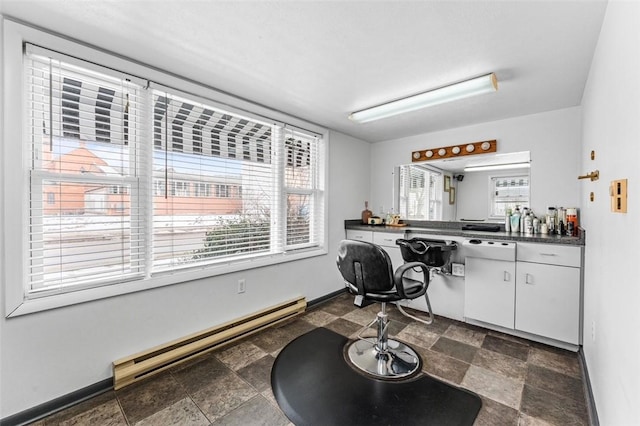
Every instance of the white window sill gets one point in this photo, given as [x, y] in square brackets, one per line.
[30, 306]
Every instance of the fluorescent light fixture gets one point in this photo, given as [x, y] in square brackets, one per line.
[497, 167]
[476, 86]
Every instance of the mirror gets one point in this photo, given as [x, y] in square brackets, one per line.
[473, 188]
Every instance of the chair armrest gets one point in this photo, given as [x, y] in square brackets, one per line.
[399, 274]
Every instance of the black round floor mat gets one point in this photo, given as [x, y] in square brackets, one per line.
[314, 386]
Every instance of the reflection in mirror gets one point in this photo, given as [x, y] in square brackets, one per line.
[419, 192]
[486, 187]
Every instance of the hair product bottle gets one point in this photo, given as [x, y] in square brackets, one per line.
[366, 213]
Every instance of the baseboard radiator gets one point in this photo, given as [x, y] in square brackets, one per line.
[144, 364]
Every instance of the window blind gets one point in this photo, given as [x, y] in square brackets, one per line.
[216, 181]
[302, 186]
[83, 127]
[420, 193]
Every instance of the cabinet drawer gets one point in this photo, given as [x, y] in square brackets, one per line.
[355, 234]
[551, 254]
[386, 239]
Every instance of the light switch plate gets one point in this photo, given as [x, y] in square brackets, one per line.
[457, 269]
[618, 192]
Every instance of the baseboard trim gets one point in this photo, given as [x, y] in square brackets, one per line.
[326, 297]
[588, 391]
[43, 410]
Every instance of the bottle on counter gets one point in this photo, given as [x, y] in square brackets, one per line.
[544, 229]
[515, 220]
[536, 225]
[507, 221]
[366, 213]
[528, 224]
[525, 212]
[572, 217]
[551, 219]
[570, 229]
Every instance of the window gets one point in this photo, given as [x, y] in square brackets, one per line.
[222, 191]
[420, 193]
[202, 189]
[93, 233]
[225, 190]
[507, 192]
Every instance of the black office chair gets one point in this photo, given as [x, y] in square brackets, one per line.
[368, 274]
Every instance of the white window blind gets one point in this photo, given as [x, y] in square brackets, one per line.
[131, 180]
[420, 193]
[83, 133]
[303, 189]
[198, 146]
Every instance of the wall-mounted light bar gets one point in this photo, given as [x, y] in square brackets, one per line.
[483, 147]
[490, 167]
[476, 86]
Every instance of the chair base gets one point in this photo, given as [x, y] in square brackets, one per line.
[398, 361]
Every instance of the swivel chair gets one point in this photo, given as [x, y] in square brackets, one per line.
[368, 274]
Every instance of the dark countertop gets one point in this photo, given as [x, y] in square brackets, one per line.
[455, 229]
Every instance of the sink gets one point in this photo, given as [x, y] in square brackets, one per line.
[433, 253]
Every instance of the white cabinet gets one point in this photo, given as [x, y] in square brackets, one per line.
[539, 294]
[489, 291]
[548, 294]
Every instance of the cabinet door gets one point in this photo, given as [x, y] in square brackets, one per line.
[490, 291]
[548, 301]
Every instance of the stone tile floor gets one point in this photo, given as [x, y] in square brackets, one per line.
[520, 382]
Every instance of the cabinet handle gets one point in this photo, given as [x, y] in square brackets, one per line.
[507, 276]
[528, 279]
[548, 254]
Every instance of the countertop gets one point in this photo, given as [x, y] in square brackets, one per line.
[455, 229]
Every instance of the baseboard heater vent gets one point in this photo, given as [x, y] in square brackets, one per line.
[144, 364]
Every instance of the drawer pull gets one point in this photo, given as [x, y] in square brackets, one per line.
[548, 254]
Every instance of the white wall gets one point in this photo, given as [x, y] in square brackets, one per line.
[49, 354]
[611, 127]
[553, 138]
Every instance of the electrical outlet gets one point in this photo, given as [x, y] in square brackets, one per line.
[242, 285]
[457, 269]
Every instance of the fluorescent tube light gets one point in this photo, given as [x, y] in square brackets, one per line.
[497, 167]
[476, 86]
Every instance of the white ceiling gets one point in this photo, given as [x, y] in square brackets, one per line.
[321, 60]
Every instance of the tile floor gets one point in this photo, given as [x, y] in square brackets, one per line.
[520, 382]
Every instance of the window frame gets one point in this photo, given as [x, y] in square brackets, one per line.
[516, 173]
[15, 195]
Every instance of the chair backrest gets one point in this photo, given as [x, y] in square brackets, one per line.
[365, 266]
